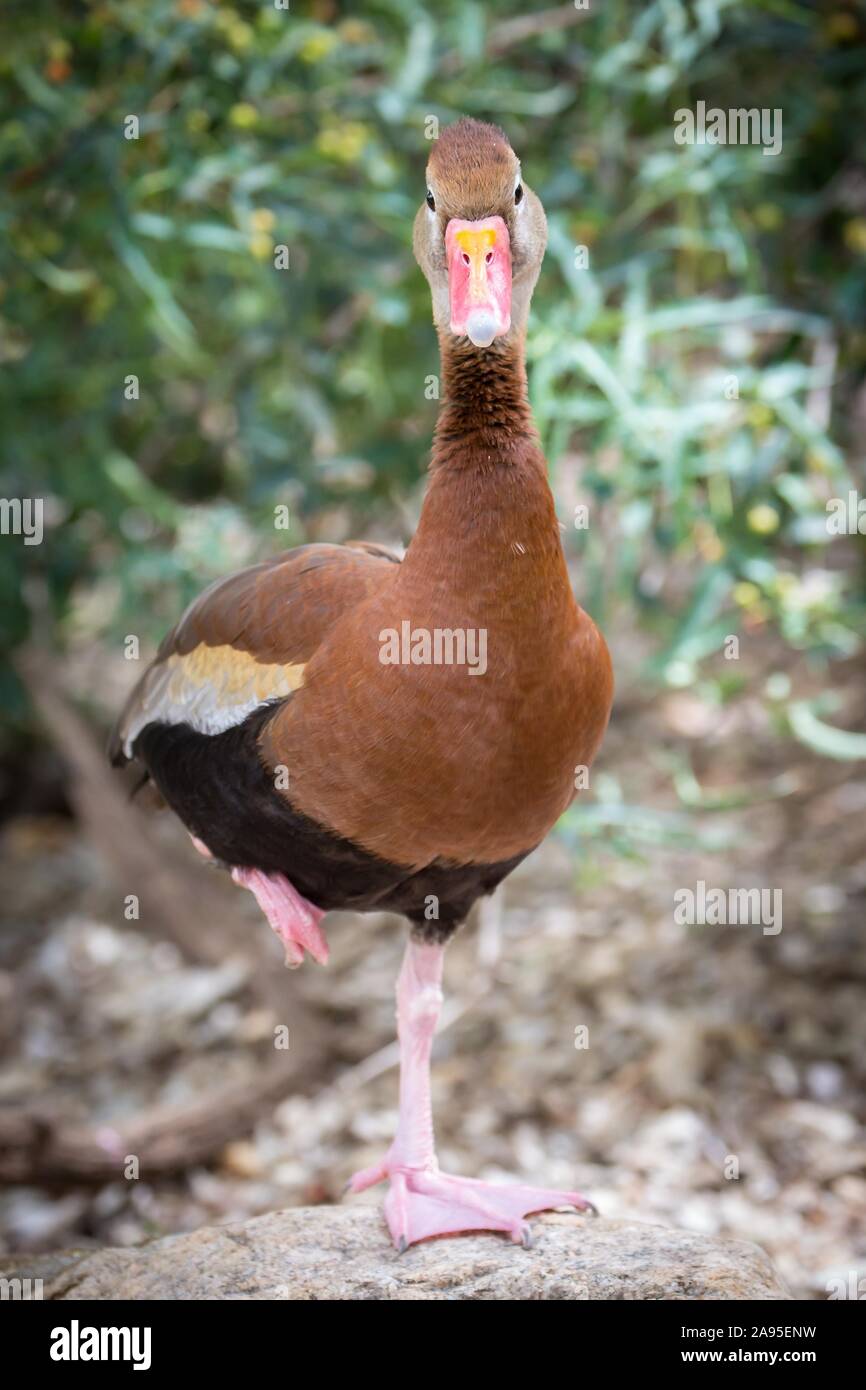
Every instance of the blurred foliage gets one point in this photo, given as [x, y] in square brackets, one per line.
[692, 382]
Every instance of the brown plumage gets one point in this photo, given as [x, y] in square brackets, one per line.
[424, 762]
[299, 756]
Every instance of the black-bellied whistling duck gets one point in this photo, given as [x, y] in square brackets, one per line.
[348, 730]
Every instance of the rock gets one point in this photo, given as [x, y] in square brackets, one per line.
[344, 1253]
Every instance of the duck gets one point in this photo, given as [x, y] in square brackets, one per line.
[342, 727]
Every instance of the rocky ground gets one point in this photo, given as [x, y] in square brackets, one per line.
[331, 1253]
[709, 1078]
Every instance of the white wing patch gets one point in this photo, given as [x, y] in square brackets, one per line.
[210, 688]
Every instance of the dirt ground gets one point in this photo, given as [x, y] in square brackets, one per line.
[709, 1077]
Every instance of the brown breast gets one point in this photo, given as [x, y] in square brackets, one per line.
[417, 761]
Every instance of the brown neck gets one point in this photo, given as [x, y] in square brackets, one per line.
[488, 531]
[485, 413]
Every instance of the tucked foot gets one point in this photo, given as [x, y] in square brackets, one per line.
[424, 1202]
[292, 917]
[206, 854]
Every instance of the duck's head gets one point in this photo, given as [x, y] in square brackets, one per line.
[479, 235]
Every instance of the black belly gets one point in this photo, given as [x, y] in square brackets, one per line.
[219, 788]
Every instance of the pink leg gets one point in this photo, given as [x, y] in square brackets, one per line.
[292, 917]
[422, 1201]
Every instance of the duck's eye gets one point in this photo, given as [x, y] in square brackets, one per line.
[518, 193]
[431, 201]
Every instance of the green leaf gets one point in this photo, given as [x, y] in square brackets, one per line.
[824, 738]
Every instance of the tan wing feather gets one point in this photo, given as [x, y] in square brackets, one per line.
[247, 639]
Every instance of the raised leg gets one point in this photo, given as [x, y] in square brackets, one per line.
[294, 919]
[421, 1200]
